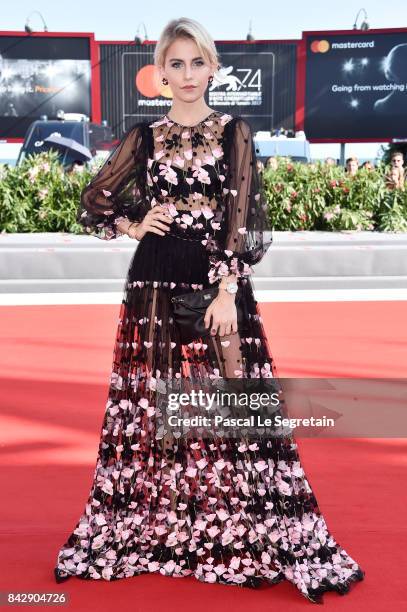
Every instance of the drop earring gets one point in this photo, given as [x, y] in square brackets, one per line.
[164, 81]
[210, 79]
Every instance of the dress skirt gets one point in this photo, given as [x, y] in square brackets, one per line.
[232, 510]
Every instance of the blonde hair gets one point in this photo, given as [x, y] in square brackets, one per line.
[186, 28]
[397, 182]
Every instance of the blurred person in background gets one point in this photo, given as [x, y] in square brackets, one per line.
[395, 178]
[76, 166]
[352, 166]
[272, 162]
[397, 161]
[260, 166]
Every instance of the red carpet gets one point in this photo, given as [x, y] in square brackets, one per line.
[55, 366]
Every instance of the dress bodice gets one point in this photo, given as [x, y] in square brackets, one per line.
[186, 173]
[205, 175]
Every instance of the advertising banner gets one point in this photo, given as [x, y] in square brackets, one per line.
[356, 85]
[246, 84]
[39, 76]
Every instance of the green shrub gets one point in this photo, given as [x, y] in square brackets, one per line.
[321, 197]
[39, 196]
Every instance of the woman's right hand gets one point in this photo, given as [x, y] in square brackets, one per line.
[155, 221]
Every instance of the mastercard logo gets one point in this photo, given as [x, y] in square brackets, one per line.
[320, 46]
[149, 85]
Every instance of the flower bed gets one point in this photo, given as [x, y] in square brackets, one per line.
[39, 196]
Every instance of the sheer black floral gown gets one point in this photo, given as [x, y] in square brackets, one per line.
[232, 511]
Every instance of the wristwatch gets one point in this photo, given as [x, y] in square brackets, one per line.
[230, 287]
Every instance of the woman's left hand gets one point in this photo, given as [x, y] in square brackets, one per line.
[224, 314]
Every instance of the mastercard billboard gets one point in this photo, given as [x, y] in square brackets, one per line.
[250, 78]
[355, 85]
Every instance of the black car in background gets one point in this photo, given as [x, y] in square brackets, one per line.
[94, 136]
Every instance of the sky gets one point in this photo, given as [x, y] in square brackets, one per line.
[228, 20]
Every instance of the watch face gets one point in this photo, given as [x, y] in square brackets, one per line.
[232, 288]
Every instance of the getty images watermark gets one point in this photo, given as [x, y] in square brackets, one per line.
[212, 405]
[230, 407]
[281, 407]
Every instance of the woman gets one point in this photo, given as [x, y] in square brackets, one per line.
[187, 187]
[352, 166]
[395, 179]
[272, 162]
[260, 166]
[397, 161]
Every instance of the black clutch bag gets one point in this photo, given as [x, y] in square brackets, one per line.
[189, 312]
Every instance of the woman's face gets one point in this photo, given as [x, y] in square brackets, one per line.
[184, 65]
[397, 161]
[352, 166]
[272, 163]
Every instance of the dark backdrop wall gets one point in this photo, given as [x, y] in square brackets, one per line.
[258, 83]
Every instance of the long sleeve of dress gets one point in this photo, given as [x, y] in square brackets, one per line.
[117, 191]
[241, 243]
